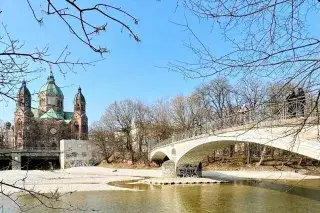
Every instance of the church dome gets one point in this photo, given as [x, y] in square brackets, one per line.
[50, 88]
[79, 97]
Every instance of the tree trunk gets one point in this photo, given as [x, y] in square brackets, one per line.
[262, 156]
[300, 161]
[248, 153]
[231, 151]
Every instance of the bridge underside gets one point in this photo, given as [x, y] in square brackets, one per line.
[160, 157]
[29, 159]
[41, 162]
[198, 153]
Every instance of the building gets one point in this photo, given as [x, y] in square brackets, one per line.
[47, 124]
[6, 136]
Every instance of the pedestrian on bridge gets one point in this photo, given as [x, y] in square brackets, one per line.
[291, 99]
[301, 102]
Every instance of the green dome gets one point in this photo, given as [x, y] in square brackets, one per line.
[50, 87]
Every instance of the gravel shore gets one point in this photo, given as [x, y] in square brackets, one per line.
[96, 178]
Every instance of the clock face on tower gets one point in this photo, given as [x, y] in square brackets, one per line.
[53, 131]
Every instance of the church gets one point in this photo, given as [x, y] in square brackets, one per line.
[47, 124]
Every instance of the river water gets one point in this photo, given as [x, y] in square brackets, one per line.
[246, 196]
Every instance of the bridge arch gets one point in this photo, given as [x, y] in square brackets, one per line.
[198, 153]
[195, 148]
[159, 157]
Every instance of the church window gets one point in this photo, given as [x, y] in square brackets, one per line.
[19, 125]
[84, 128]
[52, 101]
[54, 145]
[76, 126]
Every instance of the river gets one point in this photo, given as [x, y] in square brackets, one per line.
[245, 196]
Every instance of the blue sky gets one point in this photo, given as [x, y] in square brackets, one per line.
[129, 71]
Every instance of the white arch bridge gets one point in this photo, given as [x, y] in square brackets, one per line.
[267, 126]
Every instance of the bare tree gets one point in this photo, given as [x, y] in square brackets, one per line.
[267, 38]
[120, 116]
[142, 125]
[189, 112]
[270, 40]
[252, 92]
[104, 139]
[216, 95]
[182, 114]
[162, 127]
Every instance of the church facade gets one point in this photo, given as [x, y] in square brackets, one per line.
[47, 124]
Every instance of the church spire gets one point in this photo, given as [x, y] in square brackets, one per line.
[24, 96]
[79, 101]
[51, 77]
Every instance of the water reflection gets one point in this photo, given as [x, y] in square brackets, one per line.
[245, 196]
[293, 188]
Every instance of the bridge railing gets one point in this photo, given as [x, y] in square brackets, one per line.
[266, 112]
[41, 148]
[37, 148]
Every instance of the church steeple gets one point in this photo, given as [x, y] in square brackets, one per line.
[51, 78]
[23, 115]
[80, 123]
[24, 97]
[79, 102]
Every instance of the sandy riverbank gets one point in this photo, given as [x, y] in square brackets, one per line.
[96, 178]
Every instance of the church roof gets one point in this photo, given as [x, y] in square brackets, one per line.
[35, 112]
[52, 114]
[68, 115]
[50, 87]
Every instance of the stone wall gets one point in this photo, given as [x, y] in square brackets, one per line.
[168, 169]
[75, 153]
[190, 170]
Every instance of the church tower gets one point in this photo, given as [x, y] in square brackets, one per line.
[23, 116]
[80, 119]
